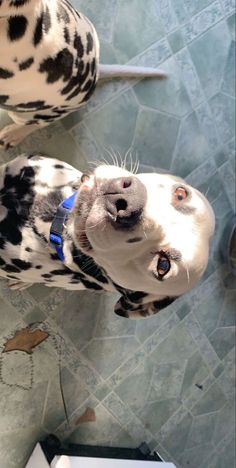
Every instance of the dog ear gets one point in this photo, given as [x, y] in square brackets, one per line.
[139, 305]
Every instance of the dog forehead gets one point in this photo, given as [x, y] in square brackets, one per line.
[160, 180]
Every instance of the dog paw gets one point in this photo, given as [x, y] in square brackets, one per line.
[17, 285]
[13, 134]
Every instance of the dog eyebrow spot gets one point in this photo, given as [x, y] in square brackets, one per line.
[174, 254]
[134, 239]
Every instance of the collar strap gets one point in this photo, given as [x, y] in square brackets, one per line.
[57, 226]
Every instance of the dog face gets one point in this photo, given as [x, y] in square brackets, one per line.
[150, 232]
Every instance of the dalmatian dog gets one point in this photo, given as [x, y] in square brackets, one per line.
[49, 64]
[145, 236]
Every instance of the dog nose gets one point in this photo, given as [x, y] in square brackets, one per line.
[125, 198]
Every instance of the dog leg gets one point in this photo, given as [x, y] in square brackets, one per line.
[13, 134]
[17, 285]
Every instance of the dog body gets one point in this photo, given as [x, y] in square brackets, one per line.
[49, 64]
[145, 236]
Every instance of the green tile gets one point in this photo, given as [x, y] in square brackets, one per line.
[113, 125]
[223, 340]
[167, 380]
[25, 409]
[194, 7]
[74, 394]
[139, 378]
[176, 439]
[176, 41]
[225, 424]
[191, 147]
[127, 39]
[168, 95]
[208, 312]
[108, 323]
[183, 311]
[228, 84]
[39, 292]
[17, 446]
[165, 11]
[228, 318]
[154, 414]
[35, 315]
[212, 400]
[178, 343]
[230, 282]
[101, 14]
[224, 457]
[155, 138]
[195, 373]
[193, 455]
[9, 318]
[202, 22]
[111, 352]
[209, 54]
[231, 25]
[77, 316]
[202, 430]
[222, 107]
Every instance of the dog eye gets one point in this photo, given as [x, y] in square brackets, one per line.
[163, 265]
[180, 193]
[84, 177]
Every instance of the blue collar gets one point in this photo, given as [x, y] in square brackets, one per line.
[56, 230]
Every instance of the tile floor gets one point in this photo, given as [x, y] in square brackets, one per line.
[168, 381]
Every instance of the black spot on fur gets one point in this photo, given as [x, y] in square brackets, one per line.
[38, 267]
[59, 166]
[5, 74]
[26, 64]
[67, 35]
[3, 99]
[158, 305]
[46, 20]
[33, 105]
[38, 32]
[61, 271]
[78, 45]
[21, 264]
[11, 269]
[62, 14]
[89, 42]
[88, 266]
[91, 90]
[2, 262]
[46, 207]
[17, 26]
[43, 25]
[46, 275]
[93, 67]
[58, 67]
[134, 239]
[18, 3]
[17, 196]
[28, 249]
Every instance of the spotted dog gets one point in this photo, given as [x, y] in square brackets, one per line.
[49, 64]
[145, 236]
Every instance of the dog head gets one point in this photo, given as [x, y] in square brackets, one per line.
[150, 232]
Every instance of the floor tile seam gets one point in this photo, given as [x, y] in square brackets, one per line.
[202, 333]
[205, 31]
[167, 453]
[163, 433]
[144, 107]
[188, 404]
[158, 332]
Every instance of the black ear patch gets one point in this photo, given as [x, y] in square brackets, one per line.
[125, 307]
